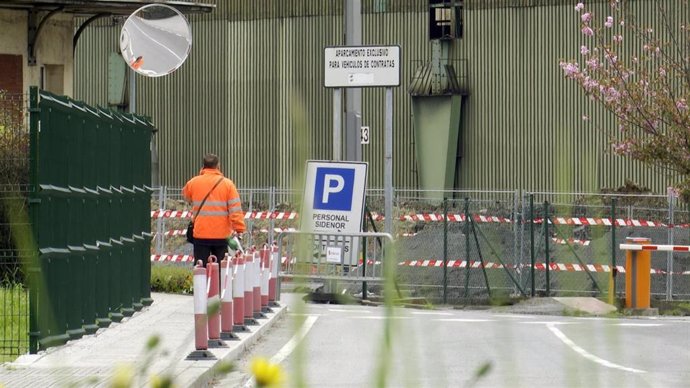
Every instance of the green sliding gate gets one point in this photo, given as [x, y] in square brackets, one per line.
[90, 212]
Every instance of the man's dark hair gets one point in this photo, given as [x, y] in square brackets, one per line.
[210, 161]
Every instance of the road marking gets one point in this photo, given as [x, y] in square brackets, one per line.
[639, 324]
[430, 313]
[290, 346]
[349, 311]
[467, 320]
[380, 317]
[548, 323]
[516, 316]
[285, 351]
[559, 334]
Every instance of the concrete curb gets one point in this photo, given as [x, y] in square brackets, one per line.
[235, 349]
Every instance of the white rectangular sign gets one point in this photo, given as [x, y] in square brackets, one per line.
[334, 203]
[361, 66]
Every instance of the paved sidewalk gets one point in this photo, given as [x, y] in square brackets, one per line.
[91, 360]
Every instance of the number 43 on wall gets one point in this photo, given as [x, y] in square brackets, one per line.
[364, 135]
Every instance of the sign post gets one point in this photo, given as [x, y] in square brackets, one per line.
[358, 67]
[334, 204]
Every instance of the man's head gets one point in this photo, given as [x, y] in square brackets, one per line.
[210, 161]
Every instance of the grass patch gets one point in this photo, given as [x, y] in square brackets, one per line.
[172, 279]
[14, 322]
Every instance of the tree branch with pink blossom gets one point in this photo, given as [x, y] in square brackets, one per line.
[646, 89]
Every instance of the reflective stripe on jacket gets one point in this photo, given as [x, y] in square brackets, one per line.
[222, 212]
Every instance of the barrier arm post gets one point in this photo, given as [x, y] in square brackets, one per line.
[637, 271]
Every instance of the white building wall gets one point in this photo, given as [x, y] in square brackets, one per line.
[54, 46]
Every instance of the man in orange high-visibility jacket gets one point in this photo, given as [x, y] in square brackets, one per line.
[221, 216]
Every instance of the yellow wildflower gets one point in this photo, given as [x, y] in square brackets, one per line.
[123, 377]
[266, 374]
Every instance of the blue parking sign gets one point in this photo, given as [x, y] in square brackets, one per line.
[333, 188]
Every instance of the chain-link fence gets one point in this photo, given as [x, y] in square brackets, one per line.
[14, 190]
[480, 244]
[577, 249]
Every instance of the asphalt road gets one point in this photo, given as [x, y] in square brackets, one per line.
[445, 348]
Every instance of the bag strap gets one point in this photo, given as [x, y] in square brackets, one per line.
[205, 198]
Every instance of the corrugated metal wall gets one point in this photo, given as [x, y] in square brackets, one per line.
[252, 92]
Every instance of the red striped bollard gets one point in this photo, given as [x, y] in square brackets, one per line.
[265, 277]
[257, 285]
[249, 289]
[213, 300]
[238, 293]
[200, 311]
[226, 299]
[273, 281]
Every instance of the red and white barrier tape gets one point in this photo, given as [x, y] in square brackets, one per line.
[572, 241]
[183, 232]
[173, 258]
[248, 215]
[558, 267]
[437, 217]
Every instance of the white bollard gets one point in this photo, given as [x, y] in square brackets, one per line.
[238, 293]
[226, 321]
[200, 306]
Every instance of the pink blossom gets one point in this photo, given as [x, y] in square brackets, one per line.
[672, 191]
[579, 7]
[587, 31]
[609, 22]
[662, 72]
[611, 58]
[622, 23]
[650, 30]
[618, 38]
[570, 69]
[590, 84]
[586, 17]
[682, 105]
[585, 118]
[622, 148]
[593, 63]
[584, 50]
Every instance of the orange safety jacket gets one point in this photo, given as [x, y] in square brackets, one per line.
[222, 212]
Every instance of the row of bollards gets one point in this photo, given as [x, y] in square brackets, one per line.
[232, 295]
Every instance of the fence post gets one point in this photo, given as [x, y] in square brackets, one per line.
[272, 220]
[445, 250]
[614, 270]
[531, 240]
[516, 256]
[669, 255]
[34, 267]
[250, 220]
[160, 223]
[467, 247]
[546, 248]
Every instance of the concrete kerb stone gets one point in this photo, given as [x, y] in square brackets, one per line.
[200, 373]
[96, 355]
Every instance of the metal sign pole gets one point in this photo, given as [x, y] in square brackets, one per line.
[337, 123]
[388, 162]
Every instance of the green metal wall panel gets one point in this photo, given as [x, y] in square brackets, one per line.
[252, 92]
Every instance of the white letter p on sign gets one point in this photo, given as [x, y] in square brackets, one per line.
[328, 189]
